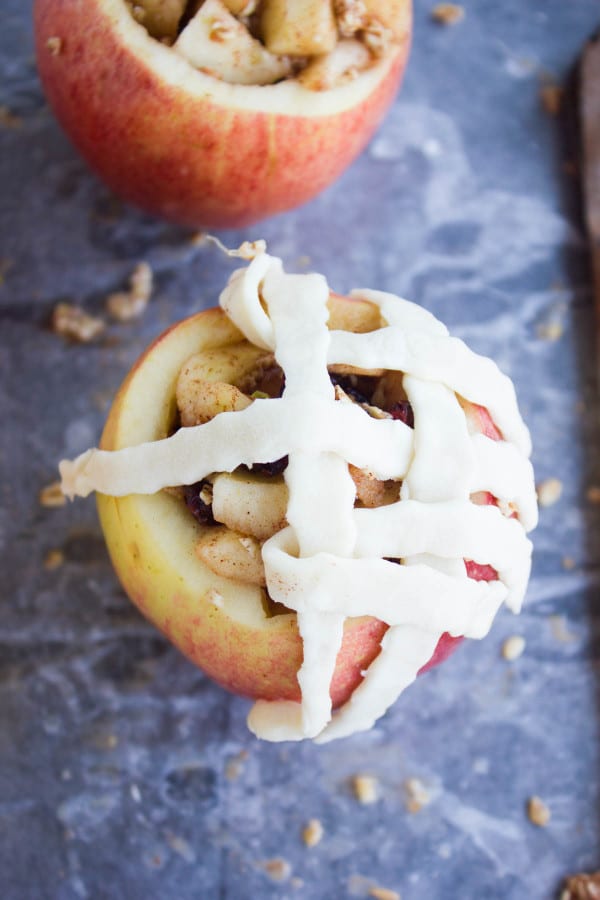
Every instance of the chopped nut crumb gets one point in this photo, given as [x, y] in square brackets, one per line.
[52, 495]
[551, 96]
[235, 765]
[538, 812]
[560, 631]
[550, 331]
[381, 893]
[549, 491]
[448, 13]
[278, 869]
[376, 37]
[54, 45]
[583, 886]
[73, 323]
[417, 795]
[54, 559]
[220, 31]
[313, 832]
[127, 305]
[513, 647]
[366, 788]
[8, 119]
[213, 596]
[350, 16]
[593, 494]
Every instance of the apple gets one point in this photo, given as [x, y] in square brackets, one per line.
[228, 628]
[166, 116]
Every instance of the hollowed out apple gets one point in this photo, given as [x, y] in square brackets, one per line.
[187, 145]
[224, 627]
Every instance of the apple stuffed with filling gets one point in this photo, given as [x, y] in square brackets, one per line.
[314, 497]
[220, 112]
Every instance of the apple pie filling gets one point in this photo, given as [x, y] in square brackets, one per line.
[323, 44]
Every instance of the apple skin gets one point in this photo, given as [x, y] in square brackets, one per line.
[151, 542]
[174, 151]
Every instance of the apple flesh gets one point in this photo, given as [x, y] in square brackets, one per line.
[227, 628]
[186, 145]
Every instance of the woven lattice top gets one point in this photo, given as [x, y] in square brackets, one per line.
[332, 560]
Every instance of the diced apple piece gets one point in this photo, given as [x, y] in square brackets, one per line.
[201, 401]
[392, 14]
[249, 504]
[232, 555]
[332, 69]
[159, 17]
[215, 42]
[298, 27]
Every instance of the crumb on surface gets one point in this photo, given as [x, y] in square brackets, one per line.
[583, 886]
[235, 765]
[593, 494]
[381, 893]
[366, 788]
[54, 45]
[549, 491]
[52, 495]
[551, 97]
[9, 119]
[277, 868]
[550, 331]
[123, 306]
[538, 812]
[74, 324]
[312, 833]
[513, 647]
[53, 559]
[448, 13]
[417, 795]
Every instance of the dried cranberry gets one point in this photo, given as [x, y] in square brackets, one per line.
[403, 411]
[346, 382]
[200, 510]
[270, 468]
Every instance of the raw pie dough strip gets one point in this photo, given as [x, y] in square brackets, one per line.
[325, 563]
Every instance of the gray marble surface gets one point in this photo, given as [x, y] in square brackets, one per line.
[124, 772]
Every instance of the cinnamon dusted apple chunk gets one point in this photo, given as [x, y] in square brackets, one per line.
[361, 512]
[161, 18]
[299, 27]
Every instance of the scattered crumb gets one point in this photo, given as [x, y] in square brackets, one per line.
[127, 305]
[538, 812]
[417, 795]
[5, 266]
[52, 495]
[381, 893]
[550, 331]
[560, 631]
[8, 119]
[235, 765]
[513, 647]
[582, 887]
[199, 239]
[53, 560]
[593, 494]
[366, 788]
[136, 795]
[278, 869]
[549, 491]
[180, 846]
[551, 97]
[73, 323]
[568, 563]
[54, 45]
[313, 832]
[213, 596]
[448, 13]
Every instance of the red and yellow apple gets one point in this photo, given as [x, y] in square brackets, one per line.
[227, 628]
[185, 144]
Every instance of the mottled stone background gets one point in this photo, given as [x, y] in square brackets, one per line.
[124, 772]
